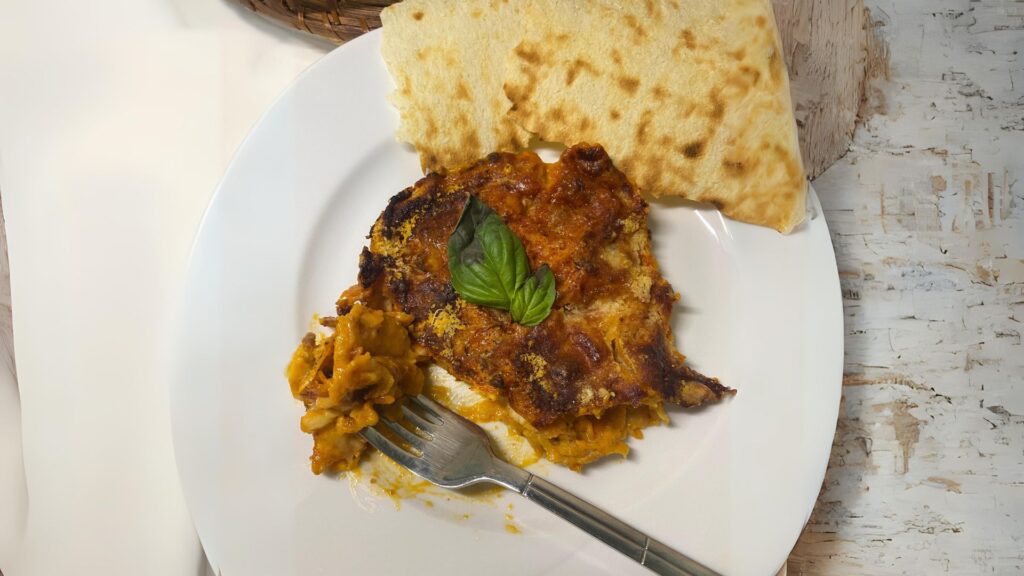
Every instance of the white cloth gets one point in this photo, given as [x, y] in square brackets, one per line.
[117, 118]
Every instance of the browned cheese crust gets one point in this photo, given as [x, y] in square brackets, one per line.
[607, 342]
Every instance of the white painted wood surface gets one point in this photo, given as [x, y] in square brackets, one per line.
[926, 210]
[927, 469]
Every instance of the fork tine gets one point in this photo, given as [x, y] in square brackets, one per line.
[390, 449]
[420, 422]
[423, 401]
[414, 440]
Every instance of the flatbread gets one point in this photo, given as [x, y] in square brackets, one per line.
[690, 98]
[448, 60]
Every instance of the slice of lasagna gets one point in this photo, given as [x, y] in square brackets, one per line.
[601, 366]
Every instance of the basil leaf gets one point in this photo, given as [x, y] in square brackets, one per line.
[478, 284]
[486, 260]
[503, 250]
[472, 216]
[489, 267]
[532, 303]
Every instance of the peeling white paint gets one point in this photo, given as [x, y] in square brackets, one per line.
[927, 219]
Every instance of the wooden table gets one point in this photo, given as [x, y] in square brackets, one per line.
[927, 468]
[926, 209]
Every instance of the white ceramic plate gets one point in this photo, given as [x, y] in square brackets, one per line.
[730, 485]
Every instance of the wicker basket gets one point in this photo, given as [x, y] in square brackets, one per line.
[333, 20]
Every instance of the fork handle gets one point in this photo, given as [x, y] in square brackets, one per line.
[649, 552]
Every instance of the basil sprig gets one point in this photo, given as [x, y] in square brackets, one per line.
[489, 267]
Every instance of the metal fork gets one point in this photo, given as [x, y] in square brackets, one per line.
[454, 452]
